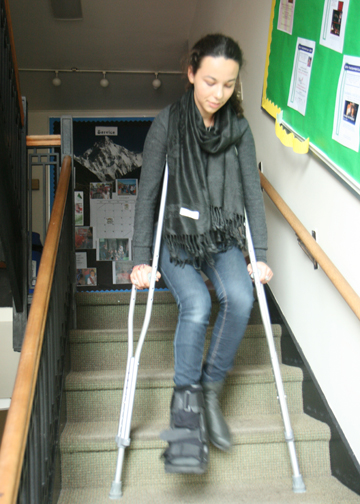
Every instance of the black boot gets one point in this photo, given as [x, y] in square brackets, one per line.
[187, 437]
[219, 433]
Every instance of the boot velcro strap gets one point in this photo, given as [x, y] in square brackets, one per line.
[189, 449]
[187, 400]
[174, 435]
[187, 419]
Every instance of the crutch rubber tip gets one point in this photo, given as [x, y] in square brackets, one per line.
[298, 484]
[115, 492]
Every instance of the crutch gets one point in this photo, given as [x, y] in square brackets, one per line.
[122, 439]
[298, 483]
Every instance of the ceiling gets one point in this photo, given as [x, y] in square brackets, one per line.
[131, 35]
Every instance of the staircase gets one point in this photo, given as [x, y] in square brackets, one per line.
[256, 471]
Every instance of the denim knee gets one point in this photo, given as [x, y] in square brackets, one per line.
[196, 307]
[236, 298]
[240, 300]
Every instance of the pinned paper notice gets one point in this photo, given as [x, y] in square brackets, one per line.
[79, 208]
[346, 126]
[81, 260]
[334, 24]
[286, 16]
[300, 79]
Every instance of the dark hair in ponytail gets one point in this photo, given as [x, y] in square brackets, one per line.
[217, 45]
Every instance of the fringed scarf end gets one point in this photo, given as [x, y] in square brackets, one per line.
[226, 231]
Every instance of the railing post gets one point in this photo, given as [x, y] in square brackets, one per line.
[66, 129]
[66, 137]
[20, 318]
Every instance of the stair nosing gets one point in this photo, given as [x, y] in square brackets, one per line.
[84, 336]
[153, 377]
[147, 436]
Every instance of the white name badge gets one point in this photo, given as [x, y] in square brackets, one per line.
[192, 214]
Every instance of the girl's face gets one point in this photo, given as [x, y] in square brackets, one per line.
[214, 83]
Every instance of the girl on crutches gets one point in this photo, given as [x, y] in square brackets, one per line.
[213, 176]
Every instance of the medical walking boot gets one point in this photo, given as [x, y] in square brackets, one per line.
[188, 449]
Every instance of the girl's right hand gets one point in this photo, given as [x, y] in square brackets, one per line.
[140, 276]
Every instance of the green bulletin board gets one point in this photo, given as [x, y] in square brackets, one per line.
[317, 123]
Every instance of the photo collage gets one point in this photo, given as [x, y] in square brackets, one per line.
[112, 207]
[107, 166]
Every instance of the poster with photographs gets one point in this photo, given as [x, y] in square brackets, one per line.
[108, 154]
[100, 190]
[126, 187]
[84, 237]
[86, 277]
[121, 272]
[79, 208]
[113, 249]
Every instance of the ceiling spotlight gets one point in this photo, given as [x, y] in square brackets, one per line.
[56, 80]
[104, 82]
[156, 83]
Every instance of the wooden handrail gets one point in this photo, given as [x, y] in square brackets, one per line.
[18, 418]
[43, 141]
[13, 52]
[345, 289]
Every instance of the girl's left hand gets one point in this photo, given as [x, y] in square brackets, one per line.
[264, 271]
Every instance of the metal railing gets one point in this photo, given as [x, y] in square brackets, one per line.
[28, 446]
[13, 194]
[41, 154]
[341, 284]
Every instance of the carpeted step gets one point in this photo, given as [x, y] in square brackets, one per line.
[93, 350]
[259, 451]
[257, 470]
[249, 390]
[110, 310]
[319, 490]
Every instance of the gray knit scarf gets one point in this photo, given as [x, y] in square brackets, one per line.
[205, 203]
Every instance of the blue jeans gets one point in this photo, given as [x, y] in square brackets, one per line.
[234, 291]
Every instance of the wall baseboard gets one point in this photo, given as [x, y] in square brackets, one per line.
[344, 465]
[5, 404]
[3, 415]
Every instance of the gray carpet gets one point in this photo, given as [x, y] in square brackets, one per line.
[256, 470]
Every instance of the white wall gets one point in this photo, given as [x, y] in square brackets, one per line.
[326, 329]
[8, 358]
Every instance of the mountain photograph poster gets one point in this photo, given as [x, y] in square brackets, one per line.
[106, 151]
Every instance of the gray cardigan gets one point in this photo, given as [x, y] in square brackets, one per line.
[154, 155]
